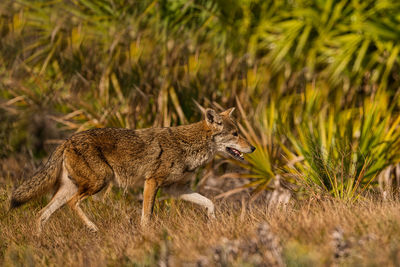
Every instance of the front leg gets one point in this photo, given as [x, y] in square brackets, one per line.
[149, 195]
[200, 200]
[183, 191]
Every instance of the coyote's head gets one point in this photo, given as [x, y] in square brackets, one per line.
[225, 134]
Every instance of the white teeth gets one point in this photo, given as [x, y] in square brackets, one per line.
[235, 152]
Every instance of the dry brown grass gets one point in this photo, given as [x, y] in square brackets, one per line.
[305, 233]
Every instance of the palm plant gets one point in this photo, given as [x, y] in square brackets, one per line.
[344, 150]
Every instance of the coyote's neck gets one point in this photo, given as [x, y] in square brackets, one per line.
[196, 141]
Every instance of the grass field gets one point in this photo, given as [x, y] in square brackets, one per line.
[312, 232]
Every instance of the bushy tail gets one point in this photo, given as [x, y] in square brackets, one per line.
[41, 181]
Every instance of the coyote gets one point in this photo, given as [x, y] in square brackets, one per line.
[152, 158]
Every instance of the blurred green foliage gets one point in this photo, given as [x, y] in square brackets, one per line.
[317, 80]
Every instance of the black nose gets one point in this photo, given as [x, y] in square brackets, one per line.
[253, 148]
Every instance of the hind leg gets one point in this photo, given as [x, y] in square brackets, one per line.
[74, 204]
[64, 193]
[89, 169]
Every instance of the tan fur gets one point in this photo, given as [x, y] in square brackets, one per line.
[153, 158]
[41, 181]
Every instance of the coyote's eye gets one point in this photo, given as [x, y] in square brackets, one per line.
[235, 134]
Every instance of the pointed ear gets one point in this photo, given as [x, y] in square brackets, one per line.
[203, 110]
[228, 112]
[213, 119]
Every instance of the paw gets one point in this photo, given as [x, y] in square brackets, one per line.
[38, 232]
[211, 215]
[144, 222]
[39, 226]
[92, 227]
[211, 210]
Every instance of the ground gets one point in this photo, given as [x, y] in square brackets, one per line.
[302, 233]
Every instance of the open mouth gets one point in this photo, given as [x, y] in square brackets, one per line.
[235, 153]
